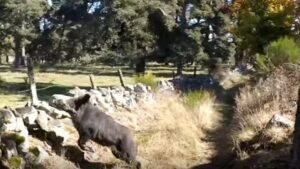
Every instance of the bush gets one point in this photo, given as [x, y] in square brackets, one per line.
[284, 50]
[147, 79]
[255, 107]
[193, 98]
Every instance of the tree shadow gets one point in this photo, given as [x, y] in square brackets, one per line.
[264, 160]
[44, 90]
[157, 70]
[221, 136]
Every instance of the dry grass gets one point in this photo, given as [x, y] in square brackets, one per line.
[171, 136]
[255, 106]
[228, 78]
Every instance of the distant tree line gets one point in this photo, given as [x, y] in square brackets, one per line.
[132, 32]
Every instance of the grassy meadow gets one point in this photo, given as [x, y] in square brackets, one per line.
[14, 90]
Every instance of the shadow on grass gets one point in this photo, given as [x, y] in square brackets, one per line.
[159, 70]
[221, 136]
[44, 90]
[279, 159]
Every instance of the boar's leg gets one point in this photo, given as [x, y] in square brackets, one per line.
[84, 136]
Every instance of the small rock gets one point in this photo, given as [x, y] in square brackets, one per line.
[118, 99]
[129, 88]
[29, 115]
[6, 116]
[140, 88]
[15, 162]
[104, 91]
[40, 154]
[55, 113]
[279, 120]
[163, 85]
[42, 120]
[77, 92]
[57, 133]
[9, 149]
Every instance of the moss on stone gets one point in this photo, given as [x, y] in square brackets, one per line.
[34, 151]
[15, 162]
[13, 136]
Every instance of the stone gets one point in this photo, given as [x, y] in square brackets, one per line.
[15, 162]
[9, 148]
[15, 141]
[40, 154]
[140, 88]
[57, 133]
[7, 116]
[55, 113]
[118, 99]
[22, 132]
[77, 92]
[130, 103]
[129, 88]
[42, 120]
[104, 91]
[58, 114]
[29, 115]
[279, 120]
[103, 104]
[16, 126]
[164, 85]
[53, 127]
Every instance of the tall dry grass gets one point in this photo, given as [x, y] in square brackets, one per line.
[255, 107]
[172, 137]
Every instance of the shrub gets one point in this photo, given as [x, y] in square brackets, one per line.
[193, 98]
[255, 107]
[148, 79]
[284, 50]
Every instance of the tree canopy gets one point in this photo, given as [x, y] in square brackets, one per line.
[205, 32]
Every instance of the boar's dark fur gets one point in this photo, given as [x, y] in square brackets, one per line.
[93, 124]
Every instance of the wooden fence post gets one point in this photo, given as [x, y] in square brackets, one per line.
[92, 79]
[195, 71]
[173, 74]
[121, 77]
[30, 73]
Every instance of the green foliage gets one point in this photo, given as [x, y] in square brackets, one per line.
[34, 151]
[258, 23]
[148, 79]
[15, 162]
[284, 50]
[193, 98]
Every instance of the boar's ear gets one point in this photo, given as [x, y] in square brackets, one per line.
[81, 100]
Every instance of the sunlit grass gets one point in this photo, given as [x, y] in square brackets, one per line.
[59, 79]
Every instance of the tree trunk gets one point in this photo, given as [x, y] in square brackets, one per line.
[179, 67]
[7, 58]
[295, 159]
[30, 73]
[140, 66]
[19, 52]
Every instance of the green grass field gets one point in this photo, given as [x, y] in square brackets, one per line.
[59, 79]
